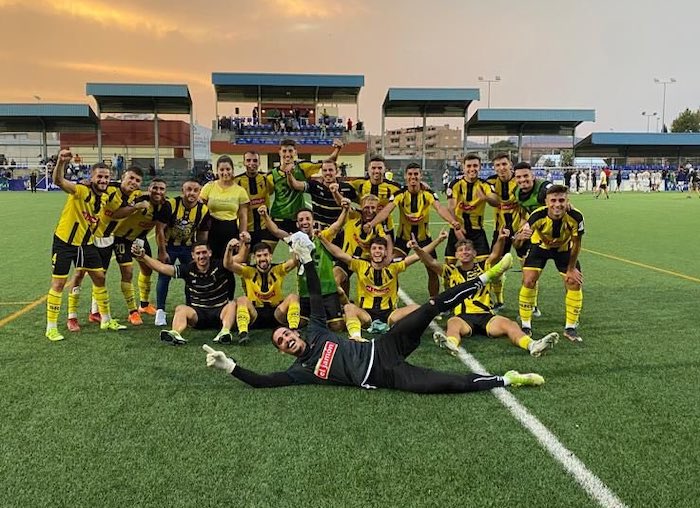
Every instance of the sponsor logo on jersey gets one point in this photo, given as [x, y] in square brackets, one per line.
[376, 290]
[323, 366]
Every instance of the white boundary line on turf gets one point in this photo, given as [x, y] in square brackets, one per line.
[593, 486]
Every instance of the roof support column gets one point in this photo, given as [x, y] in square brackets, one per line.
[259, 105]
[383, 151]
[191, 138]
[99, 134]
[464, 132]
[156, 134]
[422, 164]
[520, 142]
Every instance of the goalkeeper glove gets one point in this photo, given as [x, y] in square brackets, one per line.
[219, 360]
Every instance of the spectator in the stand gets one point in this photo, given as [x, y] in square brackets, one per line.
[359, 127]
[13, 163]
[349, 124]
[255, 115]
[323, 129]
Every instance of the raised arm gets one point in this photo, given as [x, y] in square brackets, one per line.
[294, 183]
[270, 224]
[337, 226]
[381, 216]
[335, 251]
[497, 249]
[140, 254]
[235, 255]
[337, 146]
[64, 157]
[423, 254]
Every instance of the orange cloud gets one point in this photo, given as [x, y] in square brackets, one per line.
[319, 9]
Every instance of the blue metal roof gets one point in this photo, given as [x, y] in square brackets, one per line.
[140, 98]
[48, 117]
[640, 144]
[249, 87]
[287, 80]
[528, 122]
[415, 102]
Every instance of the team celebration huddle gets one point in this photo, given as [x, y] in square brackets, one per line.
[224, 234]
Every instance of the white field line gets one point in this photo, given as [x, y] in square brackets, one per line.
[593, 486]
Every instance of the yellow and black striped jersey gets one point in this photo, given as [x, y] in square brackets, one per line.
[80, 216]
[259, 190]
[469, 209]
[355, 240]
[141, 222]
[508, 210]
[183, 223]
[377, 288]
[264, 289]
[414, 213]
[384, 191]
[480, 303]
[553, 234]
[115, 198]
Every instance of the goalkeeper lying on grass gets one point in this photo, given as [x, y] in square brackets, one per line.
[325, 357]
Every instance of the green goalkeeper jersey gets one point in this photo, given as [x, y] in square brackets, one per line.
[324, 267]
[287, 200]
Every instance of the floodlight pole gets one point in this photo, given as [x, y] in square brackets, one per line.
[423, 144]
[664, 82]
[648, 115]
[156, 134]
[495, 79]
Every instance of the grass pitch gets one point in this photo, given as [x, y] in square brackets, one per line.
[122, 420]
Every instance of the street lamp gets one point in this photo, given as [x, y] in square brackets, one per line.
[664, 82]
[495, 79]
[648, 115]
[38, 99]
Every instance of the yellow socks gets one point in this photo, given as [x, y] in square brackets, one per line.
[102, 298]
[455, 341]
[73, 302]
[524, 342]
[574, 303]
[354, 326]
[242, 318]
[293, 313]
[144, 282]
[497, 289]
[53, 308]
[526, 302]
[128, 292]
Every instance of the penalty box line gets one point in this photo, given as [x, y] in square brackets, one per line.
[590, 483]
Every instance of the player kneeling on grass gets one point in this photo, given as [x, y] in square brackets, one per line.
[474, 314]
[264, 304]
[330, 359]
[207, 286]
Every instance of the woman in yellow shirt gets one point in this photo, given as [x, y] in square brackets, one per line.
[228, 208]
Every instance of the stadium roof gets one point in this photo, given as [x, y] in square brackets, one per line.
[47, 118]
[251, 87]
[418, 102]
[140, 98]
[527, 122]
[640, 144]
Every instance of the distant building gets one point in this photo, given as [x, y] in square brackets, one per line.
[441, 142]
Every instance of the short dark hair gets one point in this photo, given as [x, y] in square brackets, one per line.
[305, 209]
[223, 160]
[192, 180]
[412, 165]
[378, 158]
[471, 156]
[379, 240]
[557, 189]
[158, 180]
[288, 142]
[200, 243]
[261, 246]
[330, 161]
[251, 152]
[135, 170]
[99, 165]
[501, 155]
[522, 165]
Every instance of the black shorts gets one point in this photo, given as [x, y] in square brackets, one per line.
[105, 255]
[381, 315]
[334, 311]
[208, 318]
[401, 245]
[122, 249]
[537, 259]
[262, 235]
[265, 319]
[63, 255]
[478, 238]
[603, 186]
[477, 322]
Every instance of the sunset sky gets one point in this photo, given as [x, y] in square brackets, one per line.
[549, 53]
